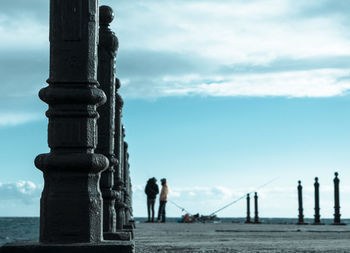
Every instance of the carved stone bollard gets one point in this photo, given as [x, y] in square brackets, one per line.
[70, 206]
[129, 224]
[107, 50]
[337, 215]
[300, 203]
[118, 176]
[248, 209]
[256, 212]
[129, 200]
[317, 220]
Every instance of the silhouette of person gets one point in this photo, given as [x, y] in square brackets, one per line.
[151, 191]
[163, 198]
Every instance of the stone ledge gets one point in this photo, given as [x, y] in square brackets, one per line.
[103, 247]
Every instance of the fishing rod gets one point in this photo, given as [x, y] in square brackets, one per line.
[182, 208]
[235, 201]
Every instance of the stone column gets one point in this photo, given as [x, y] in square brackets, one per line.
[248, 209]
[127, 193]
[256, 216]
[337, 215]
[118, 144]
[300, 202]
[317, 202]
[70, 209]
[70, 205]
[107, 51]
[131, 218]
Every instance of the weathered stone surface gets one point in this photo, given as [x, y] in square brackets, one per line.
[70, 207]
[118, 149]
[107, 51]
[101, 247]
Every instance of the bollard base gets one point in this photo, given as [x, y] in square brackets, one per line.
[118, 236]
[317, 223]
[302, 223]
[36, 247]
[339, 224]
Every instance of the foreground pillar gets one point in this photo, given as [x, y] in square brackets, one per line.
[107, 49]
[317, 220]
[248, 209]
[256, 212]
[70, 206]
[300, 203]
[337, 220]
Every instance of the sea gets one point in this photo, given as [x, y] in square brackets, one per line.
[27, 228]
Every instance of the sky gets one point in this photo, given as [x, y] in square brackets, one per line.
[221, 97]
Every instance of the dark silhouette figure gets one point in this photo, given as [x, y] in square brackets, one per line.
[151, 191]
[300, 202]
[337, 220]
[163, 198]
[317, 220]
[256, 212]
[248, 209]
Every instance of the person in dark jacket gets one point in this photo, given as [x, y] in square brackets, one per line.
[151, 191]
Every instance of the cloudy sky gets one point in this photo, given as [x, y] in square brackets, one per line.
[220, 98]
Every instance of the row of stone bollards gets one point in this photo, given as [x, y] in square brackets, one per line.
[86, 200]
[256, 212]
[115, 181]
[317, 220]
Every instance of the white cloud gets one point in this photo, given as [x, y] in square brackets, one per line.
[23, 33]
[26, 192]
[11, 119]
[219, 33]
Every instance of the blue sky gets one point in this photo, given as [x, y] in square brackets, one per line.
[220, 97]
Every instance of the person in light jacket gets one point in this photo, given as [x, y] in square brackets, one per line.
[163, 198]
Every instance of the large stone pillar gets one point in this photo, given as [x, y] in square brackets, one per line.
[70, 206]
[118, 144]
[300, 204]
[71, 200]
[107, 51]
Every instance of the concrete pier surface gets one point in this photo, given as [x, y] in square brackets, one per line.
[232, 237]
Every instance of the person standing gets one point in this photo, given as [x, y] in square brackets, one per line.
[163, 198]
[151, 191]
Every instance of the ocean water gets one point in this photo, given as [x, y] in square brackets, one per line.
[27, 228]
